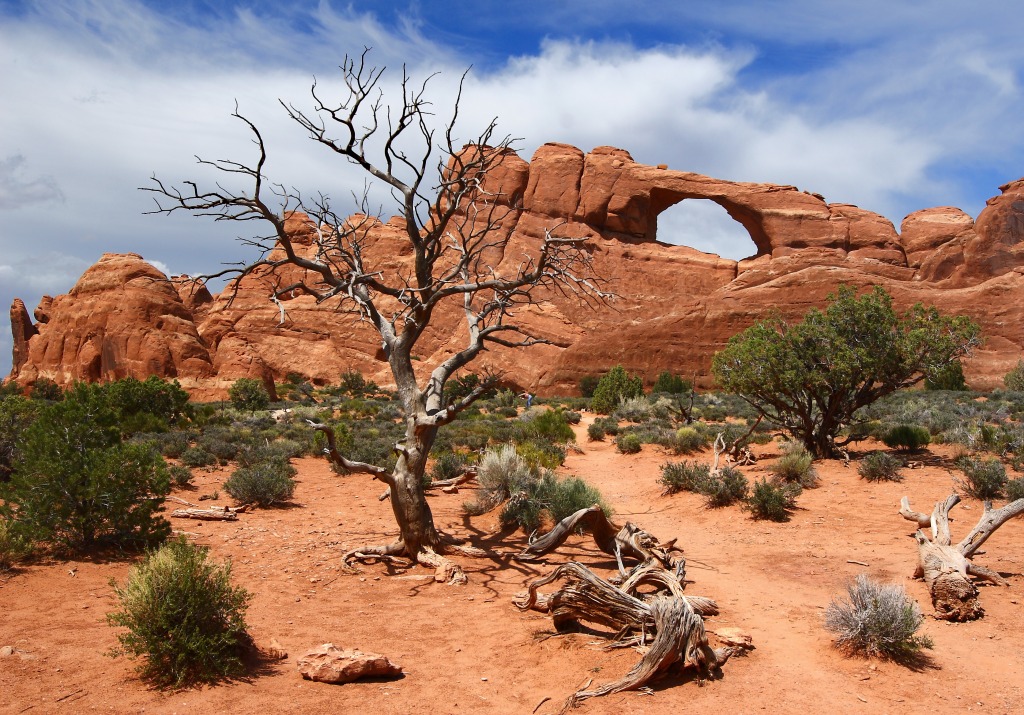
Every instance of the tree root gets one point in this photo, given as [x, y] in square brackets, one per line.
[673, 618]
[445, 570]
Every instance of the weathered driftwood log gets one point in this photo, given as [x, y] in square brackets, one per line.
[673, 620]
[625, 541]
[213, 514]
[944, 567]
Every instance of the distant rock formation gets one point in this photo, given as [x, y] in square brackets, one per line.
[675, 306]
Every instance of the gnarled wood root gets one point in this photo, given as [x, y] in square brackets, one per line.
[626, 541]
[445, 570]
[675, 620]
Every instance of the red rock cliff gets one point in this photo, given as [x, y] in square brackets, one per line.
[675, 306]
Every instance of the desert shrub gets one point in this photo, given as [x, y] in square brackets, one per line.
[249, 394]
[628, 443]
[573, 417]
[907, 437]
[549, 425]
[948, 377]
[879, 467]
[983, 479]
[683, 476]
[505, 398]
[197, 457]
[796, 465]
[725, 488]
[876, 620]
[448, 465]
[595, 432]
[181, 476]
[634, 409]
[1014, 379]
[671, 384]
[541, 455]
[588, 385]
[183, 616]
[502, 474]
[1014, 489]
[76, 483]
[143, 405]
[613, 388]
[16, 414]
[610, 425]
[172, 444]
[773, 501]
[47, 390]
[219, 448]
[14, 545]
[264, 483]
[557, 498]
[688, 440]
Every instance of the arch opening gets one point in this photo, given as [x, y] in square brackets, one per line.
[705, 226]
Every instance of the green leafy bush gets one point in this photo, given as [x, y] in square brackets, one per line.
[77, 484]
[572, 417]
[689, 439]
[772, 501]
[613, 388]
[249, 394]
[595, 432]
[183, 616]
[47, 390]
[876, 620]
[264, 483]
[1014, 379]
[147, 406]
[628, 443]
[948, 377]
[796, 465]
[541, 455]
[983, 479]
[879, 467]
[588, 384]
[14, 545]
[671, 384]
[547, 425]
[16, 414]
[907, 437]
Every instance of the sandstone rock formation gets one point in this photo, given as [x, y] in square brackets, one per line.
[675, 307]
[330, 664]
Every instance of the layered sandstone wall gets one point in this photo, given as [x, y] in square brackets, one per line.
[674, 306]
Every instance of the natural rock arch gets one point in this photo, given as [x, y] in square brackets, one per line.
[674, 225]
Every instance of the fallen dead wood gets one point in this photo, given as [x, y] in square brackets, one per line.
[625, 541]
[212, 514]
[944, 567]
[665, 624]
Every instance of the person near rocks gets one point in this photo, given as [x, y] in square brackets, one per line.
[528, 397]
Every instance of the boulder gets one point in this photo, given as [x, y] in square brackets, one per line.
[330, 664]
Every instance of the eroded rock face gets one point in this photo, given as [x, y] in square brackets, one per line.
[675, 306]
[123, 318]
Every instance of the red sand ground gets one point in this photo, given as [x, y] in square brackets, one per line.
[468, 649]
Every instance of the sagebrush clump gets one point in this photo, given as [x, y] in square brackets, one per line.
[773, 501]
[879, 467]
[909, 438]
[983, 479]
[264, 483]
[876, 620]
[796, 465]
[184, 618]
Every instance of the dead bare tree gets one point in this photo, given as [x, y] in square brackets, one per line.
[457, 223]
[945, 567]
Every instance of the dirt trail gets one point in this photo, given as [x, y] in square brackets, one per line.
[467, 649]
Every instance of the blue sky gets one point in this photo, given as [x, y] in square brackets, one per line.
[893, 106]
